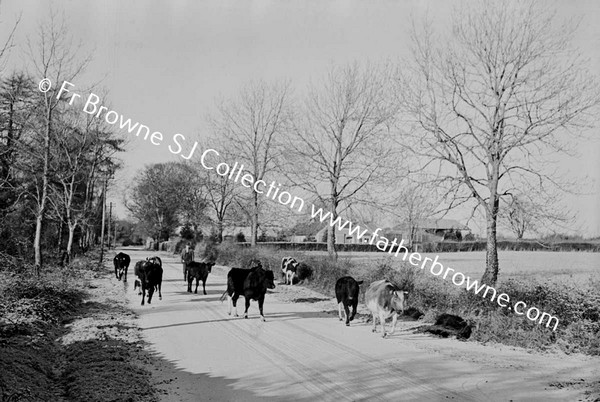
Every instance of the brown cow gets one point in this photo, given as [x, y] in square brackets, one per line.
[385, 300]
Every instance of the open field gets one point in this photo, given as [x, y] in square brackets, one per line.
[558, 267]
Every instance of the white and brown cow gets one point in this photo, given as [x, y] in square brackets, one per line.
[288, 269]
[385, 300]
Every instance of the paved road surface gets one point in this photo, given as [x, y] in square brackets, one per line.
[301, 353]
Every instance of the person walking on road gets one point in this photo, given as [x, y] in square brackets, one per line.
[187, 256]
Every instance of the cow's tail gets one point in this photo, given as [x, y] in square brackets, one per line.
[223, 296]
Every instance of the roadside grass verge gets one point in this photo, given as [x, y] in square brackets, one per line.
[35, 366]
[577, 308]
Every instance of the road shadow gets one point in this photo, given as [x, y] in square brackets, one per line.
[252, 315]
[175, 384]
[310, 299]
[203, 298]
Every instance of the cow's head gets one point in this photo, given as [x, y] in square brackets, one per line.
[254, 263]
[270, 279]
[399, 300]
[209, 265]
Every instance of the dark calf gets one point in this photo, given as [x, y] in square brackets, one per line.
[137, 270]
[121, 262]
[346, 292]
[198, 271]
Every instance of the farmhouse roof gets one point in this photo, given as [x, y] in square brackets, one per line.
[247, 230]
[307, 228]
[346, 229]
[435, 224]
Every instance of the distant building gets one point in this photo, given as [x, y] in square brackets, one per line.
[269, 233]
[304, 232]
[429, 230]
[344, 237]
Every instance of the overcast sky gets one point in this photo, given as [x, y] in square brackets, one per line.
[164, 62]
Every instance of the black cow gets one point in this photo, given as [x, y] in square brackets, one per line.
[199, 271]
[252, 284]
[346, 293]
[121, 262]
[150, 276]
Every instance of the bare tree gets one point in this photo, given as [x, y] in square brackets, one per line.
[53, 57]
[83, 149]
[491, 99]
[519, 217]
[194, 199]
[533, 212]
[158, 197]
[340, 146]
[8, 44]
[251, 128]
[413, 203]
[220, 195]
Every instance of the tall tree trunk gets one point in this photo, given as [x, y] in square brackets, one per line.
[39, 221]
[103, 221]
[59, 242]
[254, 228]
[490, 276]
[331, 250]
[72, 228]
[220, 230]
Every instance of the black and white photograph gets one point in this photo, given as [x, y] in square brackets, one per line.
[299, 200]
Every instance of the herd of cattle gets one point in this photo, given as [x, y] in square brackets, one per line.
[383, 298]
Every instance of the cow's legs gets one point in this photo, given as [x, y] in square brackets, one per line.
[234, 301]
[204, 286]
[189, 281]
[354, 305]
[125, 273]
[117, 272]
[382, 319]
[159, 294]
[340, 310]
[347, 311]
[143, 293]
[261, 301]
[197, 283]
[150, 293]
[394, 320]
[229, 304]
[247, 305]
[374, 323]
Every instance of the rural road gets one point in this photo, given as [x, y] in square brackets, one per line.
[302, 353]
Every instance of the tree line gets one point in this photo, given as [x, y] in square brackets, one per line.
[471, 119]
[55, 163]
